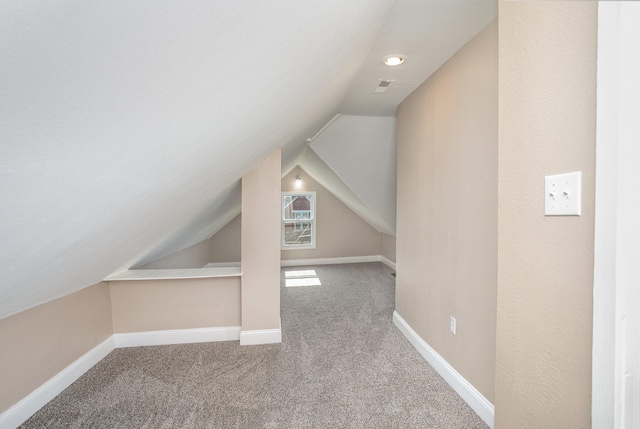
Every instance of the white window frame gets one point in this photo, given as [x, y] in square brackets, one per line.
[312, 220]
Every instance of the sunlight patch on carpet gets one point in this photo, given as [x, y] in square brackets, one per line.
[300, 273]
[309, 281]
[299, 278]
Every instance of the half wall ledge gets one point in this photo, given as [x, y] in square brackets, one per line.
[175, 274]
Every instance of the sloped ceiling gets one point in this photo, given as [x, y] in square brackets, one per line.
[315, 167]
[428, 33]
[361, 151]
[125, 126]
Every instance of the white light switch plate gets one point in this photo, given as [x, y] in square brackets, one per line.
[562, 194]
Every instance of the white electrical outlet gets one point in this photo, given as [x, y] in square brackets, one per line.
[452, 327]
[562, 194]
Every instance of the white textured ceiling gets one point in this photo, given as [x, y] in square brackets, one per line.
[125, 126]
[361, 151]
[428, 32]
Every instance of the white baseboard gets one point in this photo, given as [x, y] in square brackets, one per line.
[329, 261]
[470, 394]
[28, 406]
[260, 336]
[177, 336]
[388, 262]
[20, 412]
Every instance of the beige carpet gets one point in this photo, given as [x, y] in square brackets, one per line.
[342, 364]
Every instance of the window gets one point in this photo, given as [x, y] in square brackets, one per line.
[298, 220]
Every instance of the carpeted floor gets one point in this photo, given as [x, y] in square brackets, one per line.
[342, 364]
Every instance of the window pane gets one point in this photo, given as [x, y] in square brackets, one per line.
[297, 233]
[298, 219]
[297, 207]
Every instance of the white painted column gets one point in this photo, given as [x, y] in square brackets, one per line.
[616, 343]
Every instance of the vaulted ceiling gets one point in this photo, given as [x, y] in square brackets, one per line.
[125, 126]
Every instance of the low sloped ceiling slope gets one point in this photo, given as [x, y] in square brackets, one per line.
[361, 151]
[354, 158]
[315, 167]
[125, 126]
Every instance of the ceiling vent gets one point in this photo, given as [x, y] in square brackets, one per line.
[382, 86]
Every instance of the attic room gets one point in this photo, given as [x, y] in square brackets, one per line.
[146, 149]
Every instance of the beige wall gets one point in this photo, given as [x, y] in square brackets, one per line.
[224, 245]
[388, 247]
[40, 342]
[340, 232]
[153, 305]
[261, 245]
[196, 256]
[448, 209]
[545, 271]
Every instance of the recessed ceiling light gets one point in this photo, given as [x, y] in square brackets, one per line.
[394, 60]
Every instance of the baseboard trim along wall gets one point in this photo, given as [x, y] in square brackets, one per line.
[332, 261]
[28, 406]
[317, 261]
[20, 412]
[177, 336]
[388, 262]
[470, 394]
[260, 336]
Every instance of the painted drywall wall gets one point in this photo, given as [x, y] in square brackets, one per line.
[547, 111]
[224, 245]
[260, 254]
[40, 342]
[448, 209]
[154, 305]
[361, 150]
[388, 247]
[340, 232]
[196, 256]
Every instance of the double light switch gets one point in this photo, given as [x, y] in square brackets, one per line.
[563, 194]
